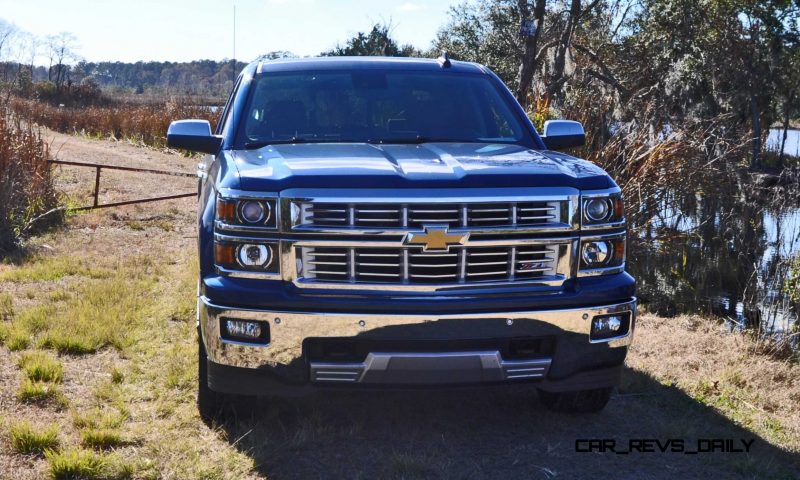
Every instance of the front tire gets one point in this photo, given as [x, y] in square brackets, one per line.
[209, 402]
[581, 401]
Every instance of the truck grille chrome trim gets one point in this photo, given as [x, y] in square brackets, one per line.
[501, 214]
[382, 212]
[393, 266]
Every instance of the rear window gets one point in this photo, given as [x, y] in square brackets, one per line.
[380, 107]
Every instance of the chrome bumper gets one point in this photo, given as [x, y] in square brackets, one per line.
[283, 356]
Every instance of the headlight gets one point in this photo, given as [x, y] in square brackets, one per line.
[254, 212]
[254, 255]
[251, 257]
[247, 212]
[599, 210]
[596, 253]
[603, 253]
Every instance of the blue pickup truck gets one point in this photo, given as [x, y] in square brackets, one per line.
[383, 222]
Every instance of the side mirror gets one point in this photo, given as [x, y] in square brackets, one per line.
[194, 135]
[561, 134]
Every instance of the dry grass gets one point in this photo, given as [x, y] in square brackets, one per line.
[144, 124]
[41, 367]
[84, 464]
[103, 312]
[26, 185]
[51, 269]
[723, 370]
[41, 393]
[28, 440]
[6, 307]
[102, 439]
[652, 166]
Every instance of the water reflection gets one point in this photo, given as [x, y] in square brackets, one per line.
[775, 138]
[722, 252]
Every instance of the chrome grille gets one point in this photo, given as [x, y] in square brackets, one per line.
[409, 265]
[412, 215]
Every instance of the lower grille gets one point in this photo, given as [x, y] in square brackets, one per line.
[413, 266]
[430, 369]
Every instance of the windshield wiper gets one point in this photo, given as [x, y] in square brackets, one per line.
[264, 143]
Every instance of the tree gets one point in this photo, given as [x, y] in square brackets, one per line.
[529, 57]
[7, 32]
[510, 37]
[61, 49]
[483, 32]
[377, 41]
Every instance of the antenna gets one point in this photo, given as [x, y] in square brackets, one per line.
[444, 60]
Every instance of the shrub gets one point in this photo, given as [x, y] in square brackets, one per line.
[26, 185]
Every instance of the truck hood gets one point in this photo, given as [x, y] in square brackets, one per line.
[429, 165]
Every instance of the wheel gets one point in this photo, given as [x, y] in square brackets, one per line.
[581, 401]
[209, 402]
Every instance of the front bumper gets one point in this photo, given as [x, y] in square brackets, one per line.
[457, 348]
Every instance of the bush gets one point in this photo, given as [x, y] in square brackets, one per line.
[26, 184]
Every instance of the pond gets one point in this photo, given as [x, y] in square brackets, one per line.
[792, 146]
[727, 253]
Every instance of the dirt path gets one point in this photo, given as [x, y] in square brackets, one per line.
[685, 381]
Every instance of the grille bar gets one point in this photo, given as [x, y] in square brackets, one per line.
[527, 213]
[410, 265]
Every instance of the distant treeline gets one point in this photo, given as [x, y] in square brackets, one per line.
[200, 77]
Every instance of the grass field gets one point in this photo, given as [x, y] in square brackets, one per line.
[98, 377]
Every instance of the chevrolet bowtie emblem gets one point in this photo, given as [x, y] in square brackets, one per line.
[435, 238]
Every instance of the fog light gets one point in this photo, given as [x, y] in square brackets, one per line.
[244, 330]
[609, 326]
[251, 255]
[596, 254]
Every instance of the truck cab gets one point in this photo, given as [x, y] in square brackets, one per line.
[383, 222]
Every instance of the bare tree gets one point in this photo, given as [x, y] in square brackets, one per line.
[7, 32]
[61, 49]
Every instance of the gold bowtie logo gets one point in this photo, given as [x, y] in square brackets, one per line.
[435, 238]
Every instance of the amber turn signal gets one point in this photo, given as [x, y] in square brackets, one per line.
[224, 254]
[619, 207]
[619, 249]
[226, 210]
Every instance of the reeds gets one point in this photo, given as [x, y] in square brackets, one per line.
[26, 184]
[141, 123]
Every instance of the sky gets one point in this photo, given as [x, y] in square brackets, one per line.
[183, 30]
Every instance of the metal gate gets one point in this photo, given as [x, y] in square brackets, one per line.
[96, 195]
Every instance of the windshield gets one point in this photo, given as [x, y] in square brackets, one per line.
[377, 107]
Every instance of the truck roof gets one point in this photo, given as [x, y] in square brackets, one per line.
[361, 63]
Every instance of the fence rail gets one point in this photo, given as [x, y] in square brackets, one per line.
[96, 194]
